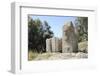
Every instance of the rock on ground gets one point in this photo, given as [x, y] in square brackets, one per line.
[83, 47]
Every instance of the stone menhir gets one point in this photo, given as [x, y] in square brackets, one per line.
[60, 45]
[48, 45]
[69, 39]
[55, 44]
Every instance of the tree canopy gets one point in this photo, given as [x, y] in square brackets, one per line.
[38, 32]
[82, 28]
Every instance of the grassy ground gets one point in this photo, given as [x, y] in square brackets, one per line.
[38, 56]
[83, 53]
[56, 56]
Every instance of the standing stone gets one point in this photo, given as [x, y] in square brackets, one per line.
[60, 45]
[48, 45]
[55, 44]
[69, 39]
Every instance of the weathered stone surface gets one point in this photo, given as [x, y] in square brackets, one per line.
[60, 45]
[48, 45]
[69, 39]
[55, 44]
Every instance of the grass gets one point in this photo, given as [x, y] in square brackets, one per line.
[38, 56]
[55, 56]
[43, 56]
[32, 55]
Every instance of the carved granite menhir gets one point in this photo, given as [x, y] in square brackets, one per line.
[67, 44]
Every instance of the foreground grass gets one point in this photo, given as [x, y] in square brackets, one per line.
[55, 56]
[38, 56]
[32, 55]
[83, 53]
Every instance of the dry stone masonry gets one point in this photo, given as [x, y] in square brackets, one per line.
[67, 44]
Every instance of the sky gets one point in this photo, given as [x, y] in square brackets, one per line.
[56, 22]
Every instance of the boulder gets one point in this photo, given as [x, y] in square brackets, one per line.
[83, 47]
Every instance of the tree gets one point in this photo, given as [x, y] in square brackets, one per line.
[33, 33]
[47, 33]
[82, 27]
[38, 32]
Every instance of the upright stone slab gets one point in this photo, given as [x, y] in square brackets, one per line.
[60, 45]
[55, 44]
[48, 45]
[69, 39]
